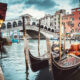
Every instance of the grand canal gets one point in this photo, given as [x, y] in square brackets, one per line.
[13, 65]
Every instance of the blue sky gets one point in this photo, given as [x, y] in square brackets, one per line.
[37, 8]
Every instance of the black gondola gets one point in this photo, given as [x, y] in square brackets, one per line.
[65, 67]
[61, 68]
[37, 63]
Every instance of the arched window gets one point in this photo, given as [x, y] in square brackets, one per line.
[3, 26]
[8, 25]
[14, 24]
[19, 23]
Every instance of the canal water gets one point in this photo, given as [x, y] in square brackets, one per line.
[13, 65]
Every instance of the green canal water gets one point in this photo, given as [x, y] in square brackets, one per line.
[13, 65]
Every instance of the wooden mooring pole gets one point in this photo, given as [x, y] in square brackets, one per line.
[64, 38]
[49, 58]
[59, 37]
[39, 40]
[25, 45]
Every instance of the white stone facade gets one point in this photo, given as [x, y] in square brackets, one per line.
[52, 21]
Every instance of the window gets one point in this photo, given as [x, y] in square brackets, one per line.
[79, 30]
[72, 30]
[78, 9]
[72, 19]
[79, 18]
[79, 25]
[75, 30]
[72, 25]
[73, 10]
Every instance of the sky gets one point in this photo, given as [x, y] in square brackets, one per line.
[37, 8]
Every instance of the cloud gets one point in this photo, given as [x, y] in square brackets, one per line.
[74, 3]
[41, 4]
[35, 13]
[37, 8]
[14, 11]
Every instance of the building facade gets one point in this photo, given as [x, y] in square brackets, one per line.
[51, 22]
[72, 21]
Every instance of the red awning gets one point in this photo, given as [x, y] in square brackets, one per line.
[3, 8]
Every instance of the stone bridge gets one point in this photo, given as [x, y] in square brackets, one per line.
[31, 30]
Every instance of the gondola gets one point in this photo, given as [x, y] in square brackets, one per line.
[37, 63]
[65, 67]
[61, 68]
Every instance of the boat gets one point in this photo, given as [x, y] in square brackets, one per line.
[61, 68]
[37, 63]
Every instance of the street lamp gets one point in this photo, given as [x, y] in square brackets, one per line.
[1, 21]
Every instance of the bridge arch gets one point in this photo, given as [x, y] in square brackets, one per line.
[14, 24]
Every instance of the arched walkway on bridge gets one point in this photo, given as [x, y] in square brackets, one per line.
[19, 23]
[9, 25]
[33, 23]
[45, 27]
[14, 24]
[3, 26]
[49, 29]
[41, 26]
[52, 30]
